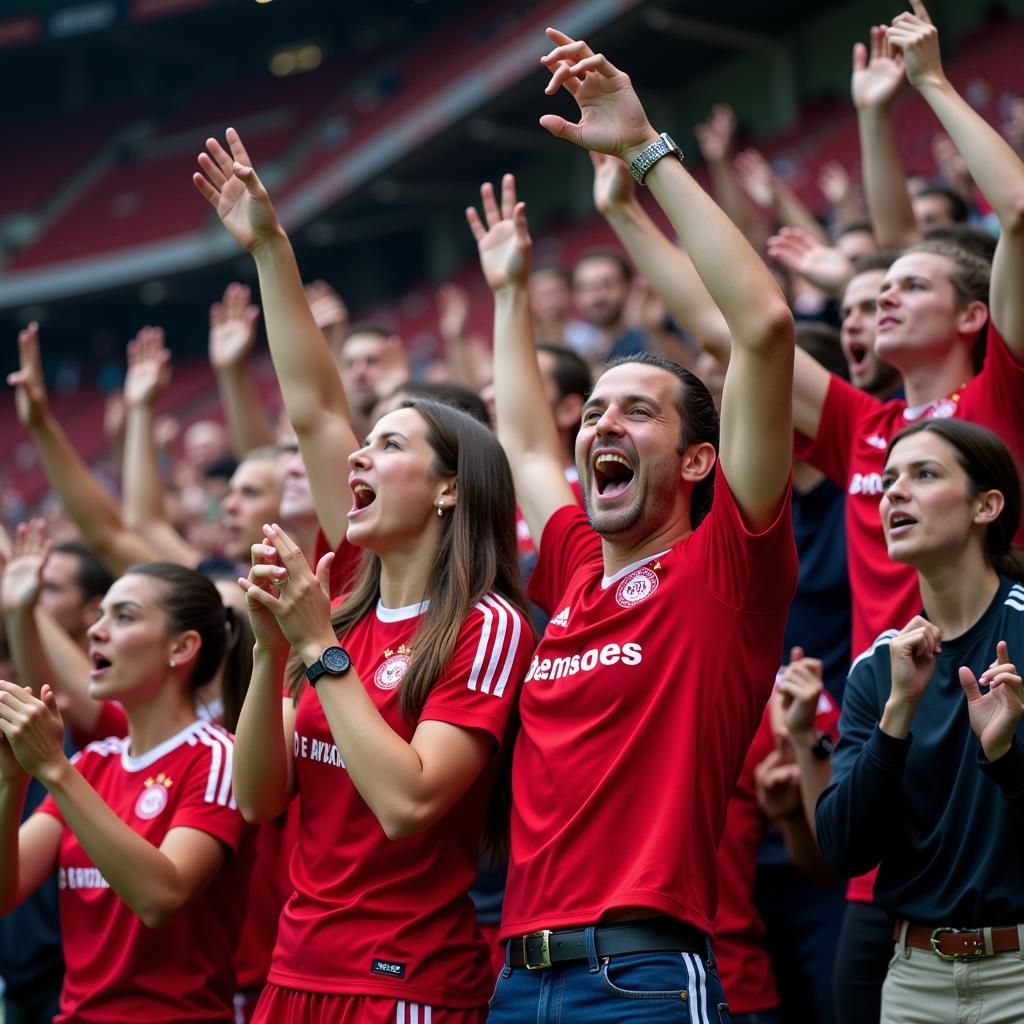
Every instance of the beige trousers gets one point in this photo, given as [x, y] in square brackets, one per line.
[921, 988]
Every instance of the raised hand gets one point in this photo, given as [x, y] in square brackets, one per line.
[614, 186]
[149, 367]
[756, 176]
[994, 715]
[823, 265]
[834, 182]
[877, 79]
[799, 689]
[33, 729]
[612, 119]
[329, 311]
[30, 394]
[912, 661]
[232, 327]
[297, 599]
[715, 135]
[231, 186]
[452, 312]
[777, 786]
[504, 245]
[266, 572]
[22, 578]
[915, 38]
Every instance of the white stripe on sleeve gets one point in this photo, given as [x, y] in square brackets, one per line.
[481, 649]
[513, 647]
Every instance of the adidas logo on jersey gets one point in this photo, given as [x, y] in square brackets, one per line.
[562, 618]
[560, 668]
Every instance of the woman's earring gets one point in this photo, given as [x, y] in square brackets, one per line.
[440, 507]
[172, 663]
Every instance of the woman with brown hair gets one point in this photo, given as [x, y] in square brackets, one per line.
[142, 831]
[944, 814]
[390, 738]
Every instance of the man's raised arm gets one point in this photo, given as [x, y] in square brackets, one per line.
[757, 403]
[85, 500]
[526, 427]
[996, 169]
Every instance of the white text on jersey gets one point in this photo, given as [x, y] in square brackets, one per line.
[610, 654]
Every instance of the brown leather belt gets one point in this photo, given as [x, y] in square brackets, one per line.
[959, 943]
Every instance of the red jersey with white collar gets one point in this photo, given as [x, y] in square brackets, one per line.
[850, 448]
[638, 708]
[117, 969]
[375, 916]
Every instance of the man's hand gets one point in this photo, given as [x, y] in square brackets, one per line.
[232, 187]
[777, 786]
[612, 119]
[232, 327]
[798, 692]
[22, 578]
[715, 136]
[149, 367]
[329, 312]
[504, 245]
[614, 186]
[915, 38]
[756, 176]
[994, 715]
[824, 266]
[30, 394]
[452, 312]
[877, 80]
[834, 183]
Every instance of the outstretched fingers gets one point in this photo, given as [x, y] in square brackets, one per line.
[491, 211]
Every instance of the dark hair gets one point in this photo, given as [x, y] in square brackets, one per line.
[552, 268]
[458, 396]
[873, 261]
[859, 226]
[221, 469]
[477, 554]
[605, 253]
[571, 373]
[366, 327]
[821, 342]
[92, 576]
[699, 417]
[989, 467]
[191, 601]
[957, 207]
[969, 237]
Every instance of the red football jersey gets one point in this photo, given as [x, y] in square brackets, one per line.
[640, 703]
[524, 539]
[850, 448]
[375, 916]
[117, 968]
[348, 560]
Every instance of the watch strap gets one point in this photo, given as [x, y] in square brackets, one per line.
[663, 145]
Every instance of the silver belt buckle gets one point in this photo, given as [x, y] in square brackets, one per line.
[545, 950]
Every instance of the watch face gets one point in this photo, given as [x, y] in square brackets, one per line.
[336, 660]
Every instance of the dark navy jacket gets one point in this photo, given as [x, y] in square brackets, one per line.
[946, 824]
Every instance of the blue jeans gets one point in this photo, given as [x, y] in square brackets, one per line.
[657, 988]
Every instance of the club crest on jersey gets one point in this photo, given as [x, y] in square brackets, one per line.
[153, 798]
[636, 587]
[390, 671]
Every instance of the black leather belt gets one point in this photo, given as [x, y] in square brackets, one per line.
[545, 948]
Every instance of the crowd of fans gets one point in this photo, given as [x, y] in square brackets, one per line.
[652, 657]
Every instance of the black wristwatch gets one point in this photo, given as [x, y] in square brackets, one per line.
[822, 747]
[333, 662]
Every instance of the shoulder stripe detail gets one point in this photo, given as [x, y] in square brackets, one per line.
[513, 646]
[1015, 597]
[880, 641]
[498, 615]
[218, 782]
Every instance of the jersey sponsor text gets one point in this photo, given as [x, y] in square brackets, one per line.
[317, 750]
[559, 668]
